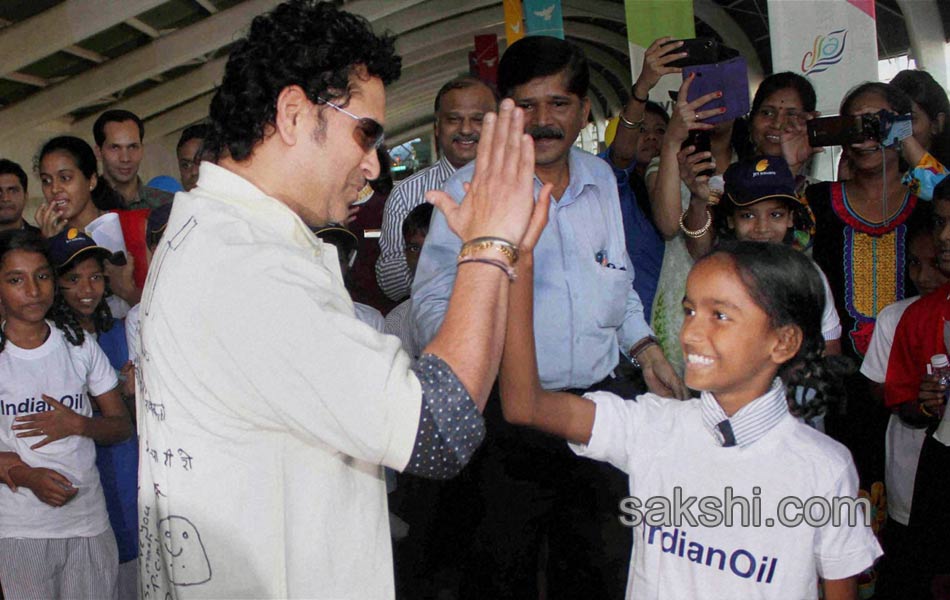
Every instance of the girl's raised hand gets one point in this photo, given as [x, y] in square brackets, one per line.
[693, 163]
[48, 220]
[794, 140]
[499, 201]
[687, 116]
[57, 423]
[49, 486]
[660, 53]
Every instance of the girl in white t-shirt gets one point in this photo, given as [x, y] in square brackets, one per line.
[752, 326]
[55, 538]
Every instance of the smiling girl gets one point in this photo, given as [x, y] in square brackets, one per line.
[752, 327]
[55, 537]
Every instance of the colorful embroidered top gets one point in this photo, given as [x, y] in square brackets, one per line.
[864, 261]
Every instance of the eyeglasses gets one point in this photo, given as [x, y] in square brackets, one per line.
[369, 133]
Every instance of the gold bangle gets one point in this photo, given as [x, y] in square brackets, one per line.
[507, 248]
[632, 124]
[698, 233]
[923, 410]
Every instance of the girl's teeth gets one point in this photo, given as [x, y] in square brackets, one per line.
[699, 359]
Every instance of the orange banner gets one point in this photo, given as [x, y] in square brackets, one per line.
[514, 21]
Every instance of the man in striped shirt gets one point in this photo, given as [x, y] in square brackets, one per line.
[460, 106]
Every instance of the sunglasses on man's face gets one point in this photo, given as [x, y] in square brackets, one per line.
[369, 133]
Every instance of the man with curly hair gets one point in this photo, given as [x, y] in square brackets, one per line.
[267, 410]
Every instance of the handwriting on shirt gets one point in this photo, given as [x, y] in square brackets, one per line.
[171, 458]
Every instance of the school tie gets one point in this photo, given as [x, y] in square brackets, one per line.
[728, 437]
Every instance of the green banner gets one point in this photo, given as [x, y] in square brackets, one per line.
[648, 20]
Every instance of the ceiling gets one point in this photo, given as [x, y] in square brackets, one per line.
[64, 62]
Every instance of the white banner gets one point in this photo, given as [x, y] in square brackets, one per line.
[831, 42]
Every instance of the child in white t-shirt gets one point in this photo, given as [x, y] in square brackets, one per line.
[752, 326]
[55, 538]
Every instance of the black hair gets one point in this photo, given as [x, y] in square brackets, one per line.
[102, 319]
[942, 191]
[786, 285]
[899, 101]
[460, 83]
[193, 132]
[417, 221]
[310, 44]
[782, 81]
[32, 241]
[921, 87]
[540, 56]
[103, 196]
[801, 219]
[8, 167]
[658, 110]
[115, 116]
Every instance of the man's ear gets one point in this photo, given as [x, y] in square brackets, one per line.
[585, 106]
[292, 107]
[787, 343]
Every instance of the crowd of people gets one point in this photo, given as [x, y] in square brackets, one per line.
[196, 401]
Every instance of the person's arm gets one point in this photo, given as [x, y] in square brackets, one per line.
[122, 280]
[523, 401]
[840, 589]
[392, 272]
[499, 202]
[930, 397]
[60, 422]
[665, 196]
[48, 485]
[9, 460]
[623, 150]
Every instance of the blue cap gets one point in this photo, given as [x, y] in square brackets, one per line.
[68, 245]
[759, 178]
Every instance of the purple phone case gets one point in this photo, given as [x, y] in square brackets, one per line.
[731, 77]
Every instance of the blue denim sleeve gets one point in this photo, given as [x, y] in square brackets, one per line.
[450, 426]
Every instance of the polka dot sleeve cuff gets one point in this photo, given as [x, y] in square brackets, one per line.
[450, 427]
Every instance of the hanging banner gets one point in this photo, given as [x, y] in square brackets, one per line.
[648, 20]
[486, 58]
[543, 17]
[831, 42]
[514, 21]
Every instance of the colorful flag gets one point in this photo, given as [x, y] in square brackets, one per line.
[486, 58]
[543, 17]
[514, 25]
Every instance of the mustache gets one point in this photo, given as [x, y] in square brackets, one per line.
[466, 137]
[545, 132]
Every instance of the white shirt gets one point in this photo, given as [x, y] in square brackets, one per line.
[830, 322]
[133, 336]
[902, 443]
[69, 374]
[265, 409]
[663, 444]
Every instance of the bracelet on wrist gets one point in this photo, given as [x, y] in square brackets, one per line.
[628, 124]
[639, 347]
[923, 410]
[506, 269]
[697, 233]
[509, 250]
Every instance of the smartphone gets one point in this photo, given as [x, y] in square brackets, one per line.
[843, 130]
[703, 143]
[118, 259]
[699, 51]
[731, 77]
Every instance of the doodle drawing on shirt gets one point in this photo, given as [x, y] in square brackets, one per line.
[187, 559]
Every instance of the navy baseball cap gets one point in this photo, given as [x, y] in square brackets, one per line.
[759, 178]
[157, 221]
[69, 245]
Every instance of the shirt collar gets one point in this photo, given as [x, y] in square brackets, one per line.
[581, 176]
[750, 422]
[259, 208]
[445, 166]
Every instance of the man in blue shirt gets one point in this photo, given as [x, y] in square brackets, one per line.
[586, 314]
